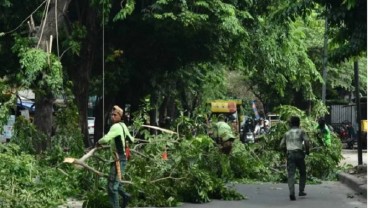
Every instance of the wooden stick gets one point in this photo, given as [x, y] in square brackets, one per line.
[160, 129]
[169, 177]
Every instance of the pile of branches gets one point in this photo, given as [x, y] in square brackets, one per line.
[166, 169]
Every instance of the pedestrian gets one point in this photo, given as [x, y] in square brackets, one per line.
[117, 138]
[259, 128]
[223, 135]
[292, 142]
[323, 133]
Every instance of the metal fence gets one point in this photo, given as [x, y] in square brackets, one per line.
[343, 113]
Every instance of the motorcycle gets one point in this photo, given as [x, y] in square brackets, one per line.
[248, 137]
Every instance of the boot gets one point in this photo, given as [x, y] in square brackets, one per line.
[302, 193]
[292, 197]
[126, 199]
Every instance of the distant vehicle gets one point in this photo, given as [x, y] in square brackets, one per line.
[273, 119]
[230, 109]
[91, 125]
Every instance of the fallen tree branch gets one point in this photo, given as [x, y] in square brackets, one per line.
[161, 179]
[81, 163]
[102, 160]
[153, 142]
[62, 171]
[88, 154]
[160, 129]
[138, 153]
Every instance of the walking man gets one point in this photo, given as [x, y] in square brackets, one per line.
[116, 137]
[293, 143]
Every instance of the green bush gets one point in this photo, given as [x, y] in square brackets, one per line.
[25, 183]
[195, 171]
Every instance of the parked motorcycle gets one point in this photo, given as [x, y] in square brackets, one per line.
[249, 137]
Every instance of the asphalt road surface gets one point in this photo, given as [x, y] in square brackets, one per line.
[263, 195]
[325, 195]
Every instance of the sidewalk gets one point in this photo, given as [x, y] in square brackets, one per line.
[355, 178]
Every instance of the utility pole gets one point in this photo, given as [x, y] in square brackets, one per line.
[325, 56]
[357, 101]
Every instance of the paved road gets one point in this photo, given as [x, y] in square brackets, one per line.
[351, 157]
[325, 195]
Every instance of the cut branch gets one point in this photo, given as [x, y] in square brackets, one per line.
[169, 177]
[81, 163]
[138, 153]
[160, 129]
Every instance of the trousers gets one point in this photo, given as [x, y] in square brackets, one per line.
[295, 160]
[115, 187]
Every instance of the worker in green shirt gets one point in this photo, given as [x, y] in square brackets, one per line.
[223, 135]
[117, 138]
[323, 133]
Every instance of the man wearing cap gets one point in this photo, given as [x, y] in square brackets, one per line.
[116, 137]
[223, 135]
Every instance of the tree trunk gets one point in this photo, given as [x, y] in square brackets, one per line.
[80, 75]
[44, 101]
[43, 120]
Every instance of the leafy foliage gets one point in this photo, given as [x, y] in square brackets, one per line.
[192, 172]
[7, 101]
[42, 68]
[330, 156]
[67, 140]
[346, 19]
[195, 170]
[25, 183]
[180, 50]
[26, 135]
[279, 58]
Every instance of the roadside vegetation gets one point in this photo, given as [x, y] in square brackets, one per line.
[194, 171]
[165, 60]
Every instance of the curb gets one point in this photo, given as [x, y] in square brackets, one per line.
[358, 185]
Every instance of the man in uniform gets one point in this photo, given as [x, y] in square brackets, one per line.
[293, 143]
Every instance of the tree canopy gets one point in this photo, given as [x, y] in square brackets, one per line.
[179, 53]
